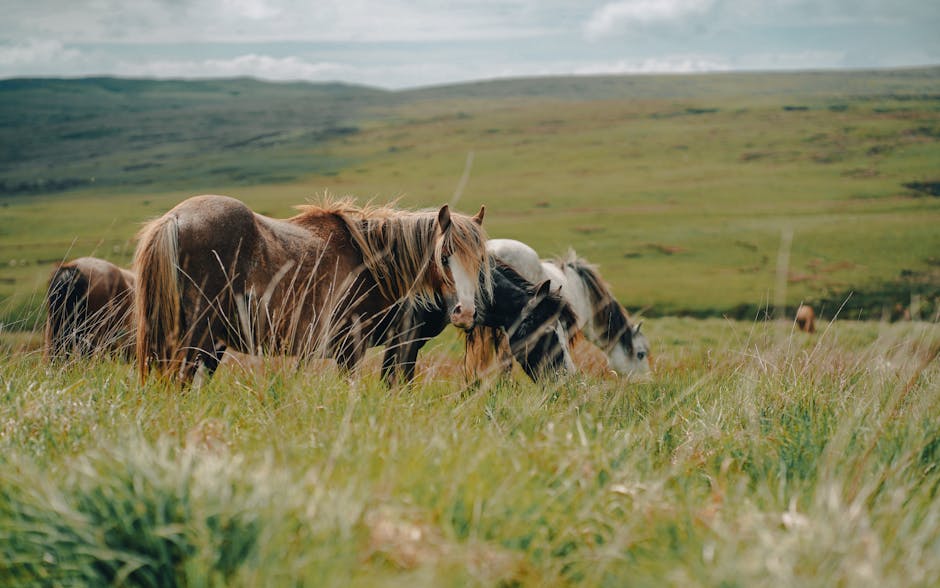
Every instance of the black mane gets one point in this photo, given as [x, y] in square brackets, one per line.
[610, 318]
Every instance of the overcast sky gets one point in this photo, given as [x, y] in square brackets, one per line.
[407, 43]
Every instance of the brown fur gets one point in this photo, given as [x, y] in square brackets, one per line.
[89, 304]
[487, 353]
[806, 319]
[213, 274]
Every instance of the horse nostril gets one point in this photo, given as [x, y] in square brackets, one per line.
[457, 310]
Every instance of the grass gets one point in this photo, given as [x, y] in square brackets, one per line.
[681, 196]
[754, 456]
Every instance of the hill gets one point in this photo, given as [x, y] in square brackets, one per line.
[64, 134]
[681, 187]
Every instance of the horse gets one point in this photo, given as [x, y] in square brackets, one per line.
[213, 274]
[806, 319]
[601, 318]
[535, 320]
[89, 309]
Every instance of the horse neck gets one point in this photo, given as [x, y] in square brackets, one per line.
[510, 294]
[608, 319]
[397, 273]
[578, 296]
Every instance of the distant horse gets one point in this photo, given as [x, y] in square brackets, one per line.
[806, 319]
[536, 321]
[602, 319]
[212, 274]
[89, 308]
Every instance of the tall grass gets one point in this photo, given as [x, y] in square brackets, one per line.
[755, 455]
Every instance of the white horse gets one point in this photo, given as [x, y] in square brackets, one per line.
[602, 319]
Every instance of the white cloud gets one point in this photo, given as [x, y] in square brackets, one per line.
[245, 21]
[611, 17]
[35, 52]
[253, 9]
[665, 64]
[251, 65]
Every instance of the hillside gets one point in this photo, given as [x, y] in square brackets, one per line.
[58, 135]
[681, 187]
[64, 134]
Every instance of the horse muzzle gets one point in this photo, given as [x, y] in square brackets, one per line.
[462, 316]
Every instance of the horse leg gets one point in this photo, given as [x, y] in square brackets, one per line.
[410, 361]
[204, 346]
[350, 347]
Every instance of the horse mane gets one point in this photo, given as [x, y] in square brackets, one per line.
[566, 313]
[394, 243]
[610, 316]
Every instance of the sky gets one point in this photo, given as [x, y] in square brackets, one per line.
[411, 43]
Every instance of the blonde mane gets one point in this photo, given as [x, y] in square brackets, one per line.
[395, 244]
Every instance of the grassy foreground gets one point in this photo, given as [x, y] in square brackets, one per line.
[754, 456]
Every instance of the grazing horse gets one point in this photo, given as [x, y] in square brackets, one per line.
[213, 275]
[89, 309]
[602, 319]
[806, 319]
[535, 320]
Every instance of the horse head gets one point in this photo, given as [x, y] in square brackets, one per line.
[459, 270]
[540, 336]
[630, 352]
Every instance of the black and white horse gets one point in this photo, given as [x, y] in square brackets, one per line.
[601, 318]
[536, 321]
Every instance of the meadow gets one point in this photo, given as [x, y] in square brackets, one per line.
[681, 188]
[753, 455]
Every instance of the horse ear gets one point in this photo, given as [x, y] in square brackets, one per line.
[478, 219]
[443, 218]
[636, 329]
[542, 290]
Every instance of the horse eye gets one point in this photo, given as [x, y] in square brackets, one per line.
[445, 261]
[641, 355]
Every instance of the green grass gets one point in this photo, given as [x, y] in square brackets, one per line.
[753, 456]
[680, 187]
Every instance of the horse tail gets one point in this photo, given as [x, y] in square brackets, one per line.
[66, 310]
[158, 299]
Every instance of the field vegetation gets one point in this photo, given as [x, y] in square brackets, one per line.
[680, 187]
[753, 455]
[756, 455]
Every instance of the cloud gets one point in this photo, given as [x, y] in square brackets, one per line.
[612, 17]
[664, 64]
[244, 21]
[251, 65]
[36, 52]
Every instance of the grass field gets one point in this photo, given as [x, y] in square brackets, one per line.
[682, 200]
[753, 455]
[756, 455]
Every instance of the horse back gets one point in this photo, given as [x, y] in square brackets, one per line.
[518, 256]
[89, 302]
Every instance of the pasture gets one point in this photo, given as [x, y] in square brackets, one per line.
[679, 187]
[756, 455]
[753, 454]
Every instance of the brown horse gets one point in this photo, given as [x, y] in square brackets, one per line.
[89, 309]
[806, 319]
[213, 274]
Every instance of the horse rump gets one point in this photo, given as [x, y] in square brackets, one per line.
[66, 313]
